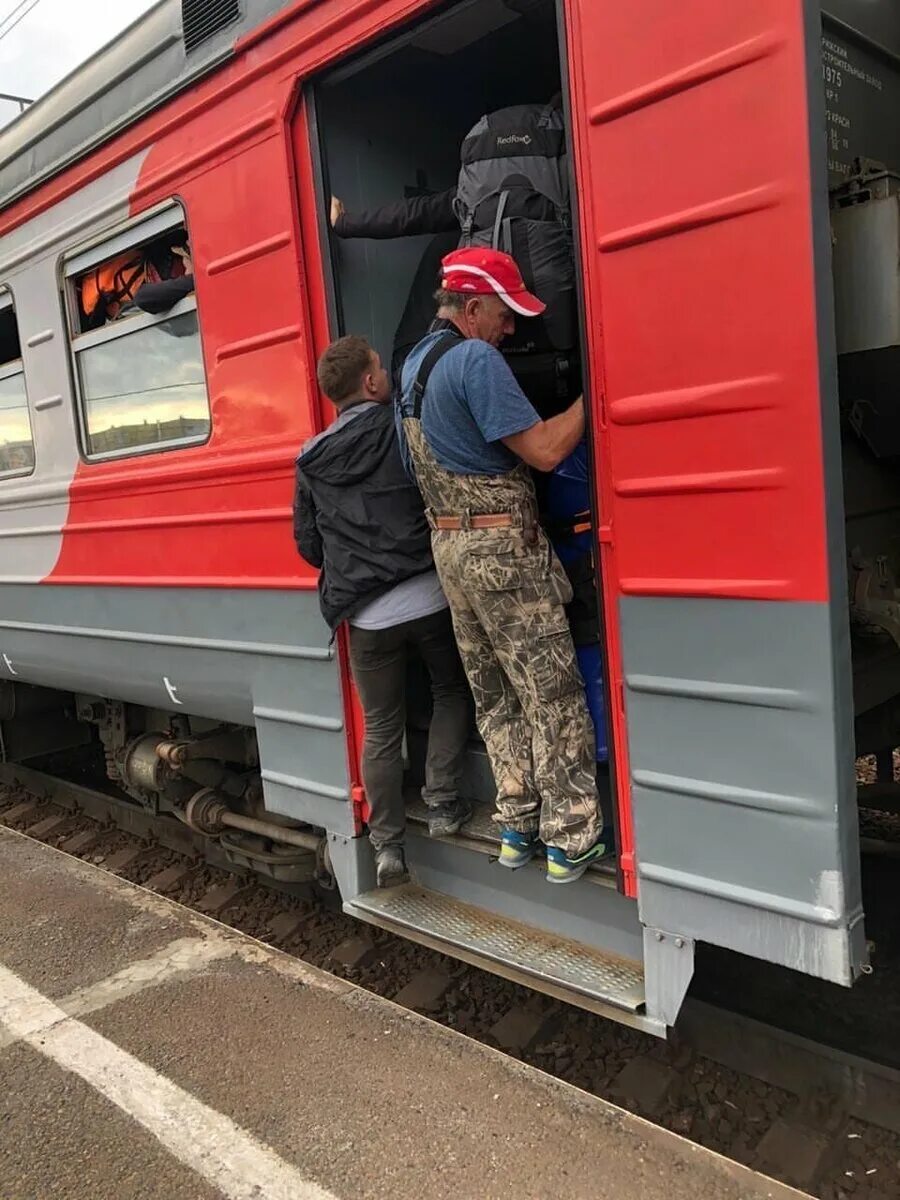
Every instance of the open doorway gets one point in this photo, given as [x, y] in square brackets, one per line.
[862, 82]
[390, 126]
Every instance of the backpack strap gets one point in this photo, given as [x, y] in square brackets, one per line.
[446, 342]
[466, 217]
[124, 283]
[498, 220]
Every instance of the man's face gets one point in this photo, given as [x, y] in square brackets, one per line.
[377, 382]
[489, 319]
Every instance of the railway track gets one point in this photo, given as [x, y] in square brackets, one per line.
[800, 1111]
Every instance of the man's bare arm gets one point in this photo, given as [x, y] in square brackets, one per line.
[546, 444]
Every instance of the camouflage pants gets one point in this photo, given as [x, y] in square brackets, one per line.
[514, 640]
[506, 590]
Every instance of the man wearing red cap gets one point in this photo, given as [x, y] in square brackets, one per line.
[471, 435]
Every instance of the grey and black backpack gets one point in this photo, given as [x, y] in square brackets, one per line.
[513, 195]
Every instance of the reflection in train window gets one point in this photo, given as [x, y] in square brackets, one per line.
[142, 383]
[16, 441]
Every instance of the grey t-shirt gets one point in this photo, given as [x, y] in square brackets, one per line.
[407, 601]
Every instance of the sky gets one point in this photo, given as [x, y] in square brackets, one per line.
[52, 38]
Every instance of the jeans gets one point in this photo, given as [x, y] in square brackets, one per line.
[378, 659]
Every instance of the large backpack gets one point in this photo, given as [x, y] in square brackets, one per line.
[513, 195]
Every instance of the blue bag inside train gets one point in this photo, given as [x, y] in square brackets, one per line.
[567, 512]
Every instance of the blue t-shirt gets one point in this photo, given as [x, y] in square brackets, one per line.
[471, 402]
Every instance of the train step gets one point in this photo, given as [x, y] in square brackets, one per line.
[550, 963]
[482, 834]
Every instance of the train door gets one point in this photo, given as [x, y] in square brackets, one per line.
[386, 158]
[699, 133]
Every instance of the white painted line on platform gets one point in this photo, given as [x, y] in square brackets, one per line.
[180, 958]
[229, 1157]
[184, 956]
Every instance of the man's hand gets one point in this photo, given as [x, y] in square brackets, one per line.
[185, 255]
[337, 210]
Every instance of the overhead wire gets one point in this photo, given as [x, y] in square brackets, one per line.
[32, 5]
[10, 15]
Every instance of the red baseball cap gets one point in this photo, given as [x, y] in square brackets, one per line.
[481, 271]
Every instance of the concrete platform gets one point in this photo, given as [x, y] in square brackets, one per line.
[146, 1052]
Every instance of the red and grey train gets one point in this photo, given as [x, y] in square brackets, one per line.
[737, 230]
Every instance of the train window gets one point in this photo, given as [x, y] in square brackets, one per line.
[136, 345]
[16, 441]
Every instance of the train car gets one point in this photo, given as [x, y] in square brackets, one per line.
[733, 169]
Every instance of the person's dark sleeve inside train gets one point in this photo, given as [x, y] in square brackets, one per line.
[306, 531]
[160, 297]
[405, 218]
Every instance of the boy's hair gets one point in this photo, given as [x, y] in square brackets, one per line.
[342, 366]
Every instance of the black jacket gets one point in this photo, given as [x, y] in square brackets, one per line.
[420, 214]
[357, 516]
[435, 214]
[160, 297]
[404, 218]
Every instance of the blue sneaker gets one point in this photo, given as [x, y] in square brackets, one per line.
[517, 849]
[562, 869]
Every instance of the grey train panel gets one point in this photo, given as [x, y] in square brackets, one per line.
[251, 657]
[860, 70]
[744, 838]
[866, 257]
[838, 622]
[877, 21]
[143, 67]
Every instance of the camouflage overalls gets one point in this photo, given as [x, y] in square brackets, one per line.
[506, 589]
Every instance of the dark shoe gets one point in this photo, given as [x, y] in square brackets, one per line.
[390, 866]
[448, 818]
[562, 869]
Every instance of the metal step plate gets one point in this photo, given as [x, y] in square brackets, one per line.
[549, 962]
